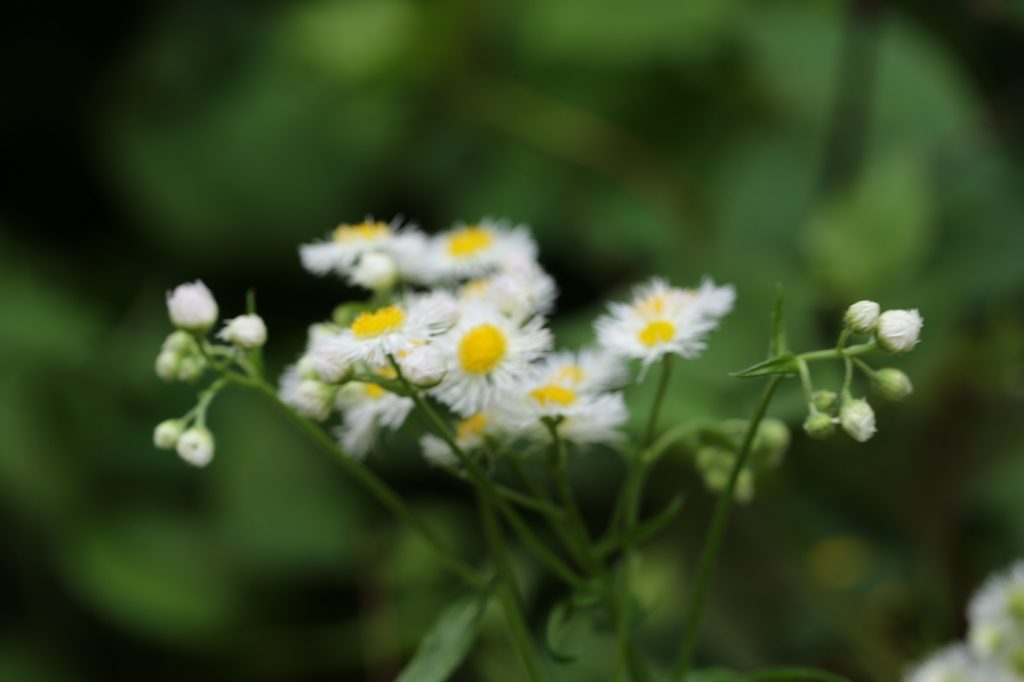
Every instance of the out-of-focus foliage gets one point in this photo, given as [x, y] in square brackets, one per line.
[844, 150]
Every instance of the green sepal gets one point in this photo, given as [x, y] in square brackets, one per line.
[780, 364]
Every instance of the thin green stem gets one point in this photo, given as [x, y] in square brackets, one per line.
[377, 487]
[848, 380]
[528, 501]
[709, 553]
[865, 367]
[836, 353]
[659, 397]
[843, 338]
[509, 594]
[805, 381]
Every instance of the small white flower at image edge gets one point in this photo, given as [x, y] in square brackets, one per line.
[192, 307]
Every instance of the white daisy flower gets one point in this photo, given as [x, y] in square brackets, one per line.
[485, 353]
[411, 251]
[955, 664]
[470, 434]
[585, 417]
[520, 291]
[346, 244]
[591, 370]
[996, 613]
[366, 408]
[389, 331]
[468, 251]
[662, 319]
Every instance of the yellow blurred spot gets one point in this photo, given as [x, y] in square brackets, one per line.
[379, 321]
[473, 426]
[657, 332]
[481, 348]
[468, 240]
[362, 231]
[553, 394]
[839, 563]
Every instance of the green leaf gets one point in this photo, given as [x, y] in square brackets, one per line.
[448, 642]
[780, 364]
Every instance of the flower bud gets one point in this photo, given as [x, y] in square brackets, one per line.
[191, 368]
[191, 307]
[986, 639]
[246, 331]
[744, 491]
[825, 401]
[771, 442]
[167, 365]
[820, 426]
[329, 364]
[898, 330]
[179, 342]
[196, 446]
[424, 366]
[375, 271]
[314, 399]
[861, 317]
[167, 433]
[858, 419]
[892, 384]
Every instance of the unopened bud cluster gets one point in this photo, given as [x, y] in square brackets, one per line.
[893, 331]
[715, 461]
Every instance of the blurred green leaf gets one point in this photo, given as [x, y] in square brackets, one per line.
[448, 642]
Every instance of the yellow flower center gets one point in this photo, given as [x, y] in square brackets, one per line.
[374, 391]
[657, 332]
[652, 305]
[481, 348]
[570, 374]
[473, 426]
[364, 231]
[468, 240]
[546, 395]
[476, 287]
[382, 320]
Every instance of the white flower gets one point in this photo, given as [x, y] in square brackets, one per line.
[591, 370]
[310, 398]
[470, 433]
[366, 408]
[376, 271]
[388, 331]
[584, 417]
[898, 330]
[410, 250]
[486, 353]
[663, 319]
[424, 366]
[469, 251]
[329, 362]
[441, 303]
[858, 419]
[196, 446]
[861, 317]
[347, 243]
[996, 613]
[247, 331]
[191, 307]
[167, 433]
[955, 664]
[521, 290]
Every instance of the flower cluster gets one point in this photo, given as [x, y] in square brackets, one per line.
[462, 316]
[995, 648]
[892, 331]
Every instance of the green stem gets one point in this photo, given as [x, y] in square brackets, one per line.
[709, 553]
[659, 397]
[848, 380]
[836, 353]
[370, 481]
[843, 337]
[529, 501]
[509, 595]
[805, 380]
[866, 368]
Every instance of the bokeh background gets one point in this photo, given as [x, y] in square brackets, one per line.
[847, 150]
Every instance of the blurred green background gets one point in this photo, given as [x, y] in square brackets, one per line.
[845, 150]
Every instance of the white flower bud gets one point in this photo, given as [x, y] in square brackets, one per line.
[744, 491]
[424, 366]
[167, 433]
[375, 271]
[192, 307]
[861, 317]
[892, 384]
[167, 364]
[824, 400]
[191, 368]
[247, 331]
[858, 419]
[819, 425]
[179, 342]
[196, 446]
[898, 330]
[314, 399]
[306, 369]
